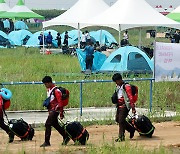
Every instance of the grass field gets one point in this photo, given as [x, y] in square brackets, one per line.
[23, 65]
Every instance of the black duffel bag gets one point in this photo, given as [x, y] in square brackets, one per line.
[21, 129]
[77, 132]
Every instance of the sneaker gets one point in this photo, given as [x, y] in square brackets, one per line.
[132, 134]
[120, 139]
[11, 137]
[65, 141]
[45, 144]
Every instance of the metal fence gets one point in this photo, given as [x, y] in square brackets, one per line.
[88, 81]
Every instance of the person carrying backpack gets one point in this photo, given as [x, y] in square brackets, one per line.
[124, 100]
[5, 95]
[55, 107]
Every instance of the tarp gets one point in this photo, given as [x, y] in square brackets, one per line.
[175, 14]
[3, 6]
[20, 11]
[103, 36]
[98, 60]
[34, 42]
[125, 14]
[80, 11]
[17, 37]
[20, 25]
[127, 59]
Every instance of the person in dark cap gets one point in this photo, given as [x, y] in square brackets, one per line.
[55, 109]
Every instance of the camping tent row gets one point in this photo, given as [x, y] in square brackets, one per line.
[19, 11]
[24, 37]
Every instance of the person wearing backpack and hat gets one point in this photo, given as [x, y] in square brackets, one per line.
[123, 90]
[55, 108]
[5, 96]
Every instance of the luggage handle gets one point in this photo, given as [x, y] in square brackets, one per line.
[61, 123]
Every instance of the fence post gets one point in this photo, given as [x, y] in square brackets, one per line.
[150, 105]
[81, 98]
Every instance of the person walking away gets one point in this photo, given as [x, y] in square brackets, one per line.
[58, 38]
[49, 39]
[55, 109]
[89, 55]
[40, 38]
[122, 109]
[83, 40]
[4, 104]
[88, 37]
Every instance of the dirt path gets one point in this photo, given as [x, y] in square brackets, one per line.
[166, 134]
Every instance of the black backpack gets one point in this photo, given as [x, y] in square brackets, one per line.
[134, 90]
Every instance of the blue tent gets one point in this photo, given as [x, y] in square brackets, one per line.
[98, 60]
[3, 34]
[17, 37]
[103, 36]
[127, 59]
[4, 42]
[20, 25]
[6, 23]
[34, 42]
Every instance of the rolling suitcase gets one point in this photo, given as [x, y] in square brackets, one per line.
[21, 129]
[76, 132]
[143, 125]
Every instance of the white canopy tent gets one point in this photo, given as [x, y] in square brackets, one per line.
[78, 13]
[129, 14]
[3, 6]
[125, 14]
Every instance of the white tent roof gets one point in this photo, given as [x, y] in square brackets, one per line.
[126, 14]
[80, 11]
[4, 7]
[177, 10]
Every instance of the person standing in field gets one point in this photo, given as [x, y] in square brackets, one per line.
[122, 110]
[49, 39]
[58, 38]
[83, 40]
[55, 108]
[88, 37]
[89, 49]
[66, 37]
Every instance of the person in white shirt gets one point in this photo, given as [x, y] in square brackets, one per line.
[88, 37]
[83, 40]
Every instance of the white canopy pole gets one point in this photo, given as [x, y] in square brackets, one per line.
[140, 41]
[119, 34]
[43, 43]
[101, 37]
[79, 36]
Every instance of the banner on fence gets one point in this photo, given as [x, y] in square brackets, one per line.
[167, 61]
